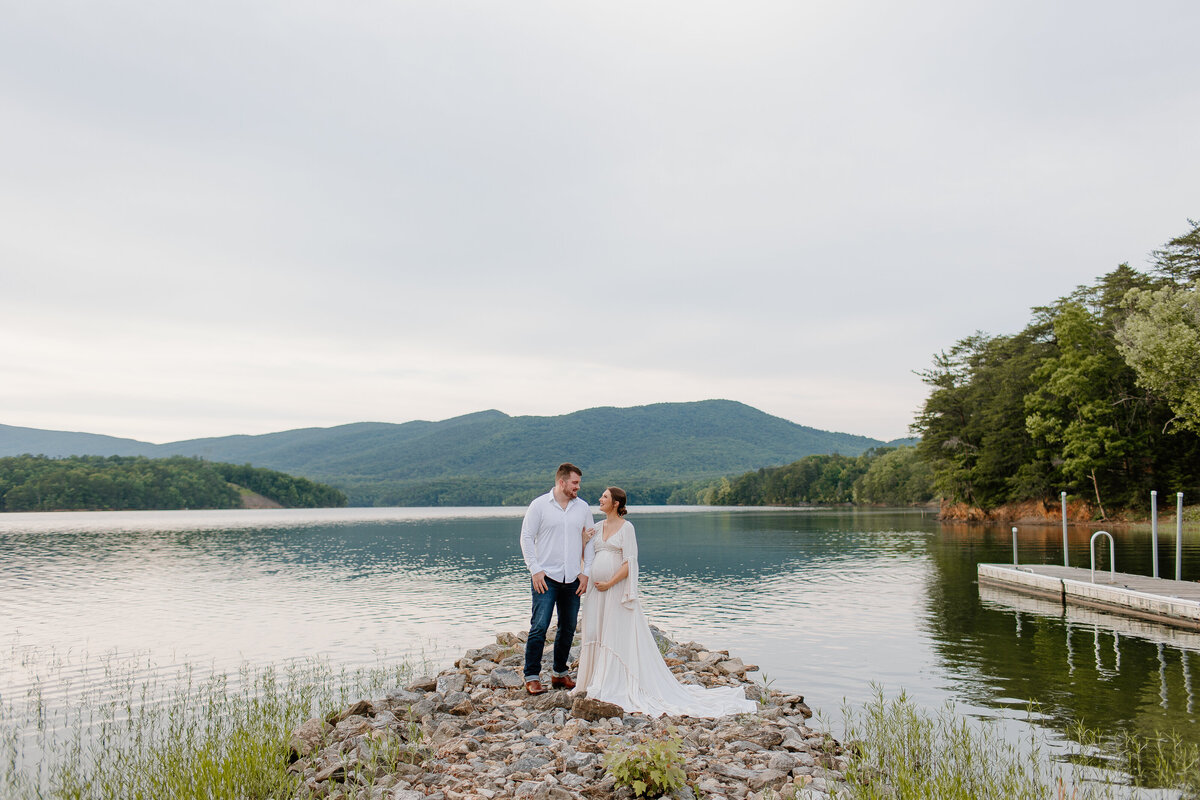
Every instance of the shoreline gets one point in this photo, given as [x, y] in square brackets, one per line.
[1042, 512]
[472, 731]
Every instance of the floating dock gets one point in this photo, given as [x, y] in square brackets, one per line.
[1160, 600]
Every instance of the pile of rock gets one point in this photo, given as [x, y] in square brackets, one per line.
[473, 732]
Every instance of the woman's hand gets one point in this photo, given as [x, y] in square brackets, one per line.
[588, 533]
[603, 586]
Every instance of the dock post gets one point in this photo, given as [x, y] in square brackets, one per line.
[1179, 536]
[1154, 532]
[1066, 560]
[1014, 545]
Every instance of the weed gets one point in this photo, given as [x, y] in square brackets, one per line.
[652, 768]
[898, 750]
[764, 695]
[128, 736]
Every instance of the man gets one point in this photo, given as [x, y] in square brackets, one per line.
[552, 543]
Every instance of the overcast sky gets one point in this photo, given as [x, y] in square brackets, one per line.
[243, 217]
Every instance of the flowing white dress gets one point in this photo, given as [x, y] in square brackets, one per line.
[619, 661]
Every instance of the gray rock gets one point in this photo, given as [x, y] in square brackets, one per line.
[732, 771]
[581, 761]
[423, 684]
[527, 764]
[448, 684]
[550, 700]
[384, 719]
[793, 742]
[595, 710]
[784, 762]
[308, 737]
[573, 781]
[404, 697]
[504, 678]
[528, 789]
[334, 771]
[351, 726]
[767, 737]
[463, 709]
[767, 777]
[362, 708]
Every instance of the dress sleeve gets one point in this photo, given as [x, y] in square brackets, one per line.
[629, 554]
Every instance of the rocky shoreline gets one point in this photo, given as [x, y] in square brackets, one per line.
[473, 732]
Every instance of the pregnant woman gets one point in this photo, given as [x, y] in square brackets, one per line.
[619, 661]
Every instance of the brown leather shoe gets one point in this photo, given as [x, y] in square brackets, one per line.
[562, 682]
[534, 687]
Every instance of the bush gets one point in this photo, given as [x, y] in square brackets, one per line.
[652, 768]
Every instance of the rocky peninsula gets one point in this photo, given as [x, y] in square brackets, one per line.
[473, 732]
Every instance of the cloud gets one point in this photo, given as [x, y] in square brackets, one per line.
[247, 217]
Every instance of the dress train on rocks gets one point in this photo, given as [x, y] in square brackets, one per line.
[619, 661]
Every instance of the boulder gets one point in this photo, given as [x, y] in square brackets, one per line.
[594, 710]
[504, 678]
[404, 697]
[448, 684]
[307, 739]
[549, 700]
[423, 684]
[363, 708]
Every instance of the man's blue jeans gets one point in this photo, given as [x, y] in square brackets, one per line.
[557, 595]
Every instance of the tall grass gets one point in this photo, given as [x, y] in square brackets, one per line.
[132, 737]
[898, 750]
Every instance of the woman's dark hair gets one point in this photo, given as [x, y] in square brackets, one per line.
[619, 497]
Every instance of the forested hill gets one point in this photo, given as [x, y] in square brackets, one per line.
[123, 483]
[491, 458]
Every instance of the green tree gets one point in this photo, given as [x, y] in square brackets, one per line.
[896, 478]
[1082, 414]
[1179, 259]
[1161, 342]
[972, 425]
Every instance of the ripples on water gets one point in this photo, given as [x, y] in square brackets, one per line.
[826, 602]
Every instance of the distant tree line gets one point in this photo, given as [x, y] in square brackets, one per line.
[39, 483]
[1098, 396]
[881, 476]
[289, 491]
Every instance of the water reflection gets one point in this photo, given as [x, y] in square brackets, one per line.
[1001, 649]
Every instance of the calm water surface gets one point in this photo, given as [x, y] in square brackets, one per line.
[827, 603]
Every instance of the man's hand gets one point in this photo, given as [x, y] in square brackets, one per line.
[583, 583]
[539, 582]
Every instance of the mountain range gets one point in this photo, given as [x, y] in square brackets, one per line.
[490, 457]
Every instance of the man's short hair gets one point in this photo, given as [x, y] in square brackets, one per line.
[566, 470]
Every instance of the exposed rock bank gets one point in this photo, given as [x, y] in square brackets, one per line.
[1031, 512]
[473, 732]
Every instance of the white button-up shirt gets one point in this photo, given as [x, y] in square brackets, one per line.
[552, 538]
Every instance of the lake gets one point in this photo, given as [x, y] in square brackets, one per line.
[829, 603]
